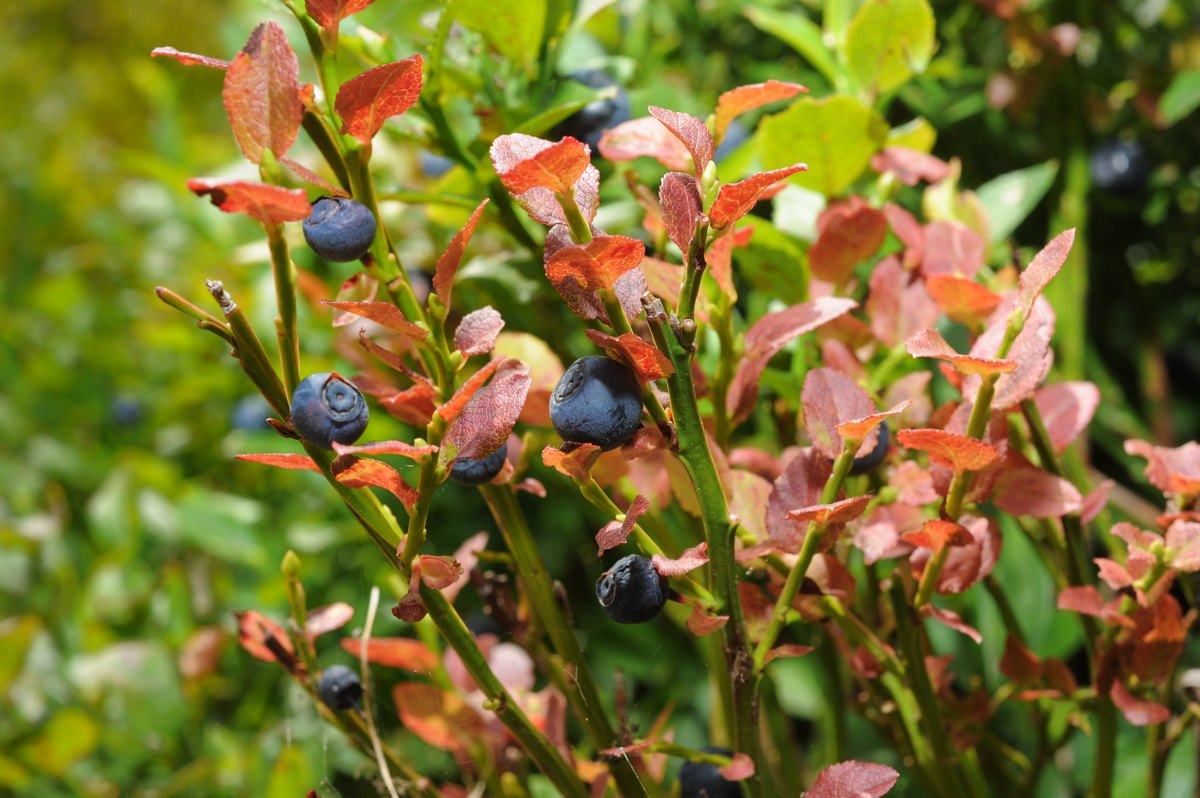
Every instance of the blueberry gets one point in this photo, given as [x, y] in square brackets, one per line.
[327, 408]
[250, 413]
[868, 462]
[480, 623]
[126, 411]
[632, 591]
[339, 687]
[1120, 167]
[589, 122]
[339, 229]
[703, 780]
[736, 135]
[432, 164]
[597, 400]
[476, 471]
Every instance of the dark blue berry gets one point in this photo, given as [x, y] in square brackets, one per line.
[327, 408]
[597, 400]
[480, 623]
[126, 411]
[703, 779]
[1120, 167]
[632, 591]
[472, 471]
[589, 122]
[736, 135]
[250, 414]
[869, 461]
[339, 229]
[432, 164]
[339, 687]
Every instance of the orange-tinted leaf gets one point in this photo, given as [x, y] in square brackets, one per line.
[746, 98]
[909, 231]
[417, 453]
[451, 409]
[262, 94]
[1084, 599]
[936, 534]
[850, 233]
[739, 768]
[615, 533]
[700, 624]
[1030, 351]
[734, 200]
[385, 314]
[355, 472]
[574, 462]
[509, 151]
[439, 572]
[787, 651]
[439, 717]
[910, 166]
[853, 780]
[1044, 266]
[720, 259]
[689, 560]
[691, 131]
[328, 13]
[951, 620]
[484, 424]
[268, 204]
[448, 263]
[1019, 663]
[1066, 409]
[961, 298]
[644, 137]
[264, 639]
[930, 343]
[681, 208]
[836, 513]
[1138, 711]
[898, 304]
[952, 248]
[830, 398]
[966, 565]
[304, 173]
[596, 265]
[294, 462]
[395, 652]
[328, 618]
[948, 448]
[476, 333]
[555, 168]
[1170, 470]
[645, 359]
[878, 535]
[1114, 574]
[859, 428]
[190, 59]
[800, 485]
[366, 101]
[1032, 491]
[1183, 544]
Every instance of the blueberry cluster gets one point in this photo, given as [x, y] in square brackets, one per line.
[597, 400]
[339, 229]
[632, 591]
[327, 408]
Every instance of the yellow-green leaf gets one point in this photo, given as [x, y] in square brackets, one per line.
[835, 136]
[69, 736]
[514, 28]
[15, 636]
[291, 775]
[915, 134]
[888, 42]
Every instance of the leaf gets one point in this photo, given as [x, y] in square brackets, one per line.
[700, 624]
[1183, 546]
[268, 204]
[858, 429]
[328, 13]
[1085, 599]
[910, 166]
[740, 767]
[850, 233]
[966, 565]
[746, 98]
[327, 619]
[262, 94]
[800, 485]
[962, 299]
[930, 343]
[574, 462]
[948, 448]
[484, 424]
[720, 259]
[645, 137]
[692, 132]
[615, 533]
[382, 313]
[853, 780]
[830, 398]
[476, 333]
[734, 200]
[909, 231]
[952, 620]
[1066, 409]
[645, 359]
[264, 639]
[555, 168]
[450, 410]
[1031, 351]
[448, 263]
[417, 453]
[898, 304]
[888, 42]
[366, 101]
[1010, 198]
[438, 572]
[190, 59]
[596, 265]
[1044, 266]
[800, 33]
[294, 462]
[937, 534]
[354, 472]
[788, 651]
[681, 208]
[689, 560]
[395, 652]
[836, 513]
[1032, 491]
[836, 137]
[1019, 663]
[1181, 97]
[410, 608]
[952, 248]
[1136, 710]
[516, 34]
[439, 717]
[1170, 470]
[69, 736]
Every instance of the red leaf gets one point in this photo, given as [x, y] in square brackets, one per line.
[961, 298]
[966, 565]
[439, 717]
[354, 472]
[850, 233]
[937, 534]
[644, 137]
[837, 513]
[294, 462]
[741, 767]
[1170, 470]
[910, 166]
[909, 231]
[615, 533]
[1084, 599]
[1183, 544]
[596, 265]
[692, 132]
[1138, 711]
[878, 537]
[448, 263]
[395, 652]
[645, 359]
[1043, 267]
[365, 102]
[555, 168]
[476, 333]
[930, 343]
[1066, 410]
[1113, 573]
[262, 94]
[858, 429]
[385, 314]
[1031, 352]
[700, 624]
[190, 59]
[898, 305]
[800, 485]
[720, 259]
[734, 200]
[326, 619]
[304, 173]
[689, 560]
[913, 483]
[1019, 663]
[948, 448]
[746, 98]
[787, 650]
[768, 336]
[575, 462]
[853, 780]
[681, 208]
[467, 555]
[952, 248]
[438, 572]
[509, 151]
[952, 620]
[328, 13]
[485, 423]
[268, 204]
[1032, 491]
[417, 453]
[263, 638]
[830, 398]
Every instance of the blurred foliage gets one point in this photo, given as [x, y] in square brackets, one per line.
[127, 535]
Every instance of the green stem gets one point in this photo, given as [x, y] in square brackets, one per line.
[694, 267]
[285, 295]
[250, 352]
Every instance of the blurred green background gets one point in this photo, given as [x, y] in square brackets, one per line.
[128, 536]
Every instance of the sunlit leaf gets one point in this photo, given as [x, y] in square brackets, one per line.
[888, 42]
[835, 136]
[262, 94]
[268, 204]
[746, 98]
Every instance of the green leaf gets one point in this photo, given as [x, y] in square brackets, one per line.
[1181, 97]
[1011, 197]
[916, 134]
[514, 29]
[835, 136]
[291, 775]
[888, 42]
[801, 34]
[68, 737]
[15, 636]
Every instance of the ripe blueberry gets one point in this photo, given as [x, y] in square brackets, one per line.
[589, 122]
[597, 400]
[339, 687]
[1120, 167]
[472, 471]
[250, 413]
[868, 462]
[632, 591]
[703, 779]
[339, 229]
[327, 408]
